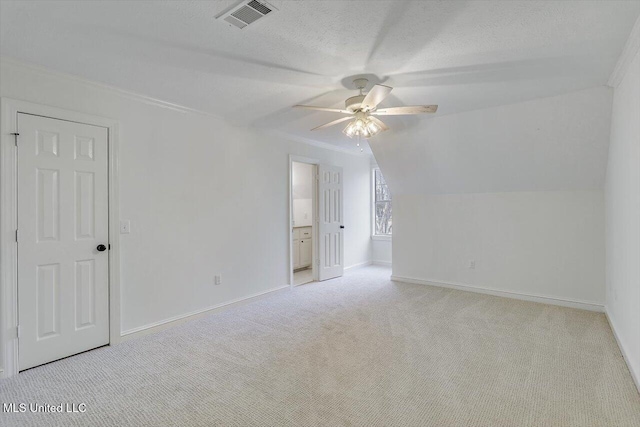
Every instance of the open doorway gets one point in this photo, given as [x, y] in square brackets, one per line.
[303, 222]
[316, 223]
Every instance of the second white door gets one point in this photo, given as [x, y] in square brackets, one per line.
[63, 282]
[330, 224]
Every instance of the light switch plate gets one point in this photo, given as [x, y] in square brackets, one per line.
[125, 226]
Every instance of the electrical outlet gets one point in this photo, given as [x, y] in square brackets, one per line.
[218, 279]
[125, 226]
[472, 264]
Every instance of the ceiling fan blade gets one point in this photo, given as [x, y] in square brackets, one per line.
[335, 122]
[379, 122]
[331, 110]
[409, 109]
[375, 96]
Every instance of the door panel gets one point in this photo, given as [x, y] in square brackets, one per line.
[330, 225]
[63, 302]
[48, 300]
[48, 204]
[305, 252]
[85, 293]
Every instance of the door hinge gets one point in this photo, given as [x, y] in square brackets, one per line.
[16, 236]
[18, 331]
[15, 140]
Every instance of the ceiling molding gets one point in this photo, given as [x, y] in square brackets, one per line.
[121, 92]
[629, 51]
[160, 103]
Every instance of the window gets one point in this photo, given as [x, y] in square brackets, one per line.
[381, 206]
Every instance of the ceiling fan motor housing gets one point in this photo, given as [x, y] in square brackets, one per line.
[360, 83]
[353, 103]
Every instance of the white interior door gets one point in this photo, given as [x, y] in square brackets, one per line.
[63, 284]
[330, 230]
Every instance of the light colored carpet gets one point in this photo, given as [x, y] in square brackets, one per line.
[355, 351]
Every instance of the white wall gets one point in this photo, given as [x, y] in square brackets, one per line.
[302, 193]
[623, 216]
[302, 180]
[547, 244]
[517, 188]
[203, 197]
[382, 251]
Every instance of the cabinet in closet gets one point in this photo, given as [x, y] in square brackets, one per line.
[302, 247]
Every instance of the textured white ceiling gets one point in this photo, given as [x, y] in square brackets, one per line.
[462, 55]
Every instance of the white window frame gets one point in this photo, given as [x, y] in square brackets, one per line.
[374, 236]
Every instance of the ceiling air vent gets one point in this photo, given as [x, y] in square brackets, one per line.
[246, 13]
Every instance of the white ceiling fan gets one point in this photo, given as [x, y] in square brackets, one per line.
[362, 109]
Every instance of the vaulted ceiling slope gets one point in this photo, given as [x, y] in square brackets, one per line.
[557, 143]
[462, 55]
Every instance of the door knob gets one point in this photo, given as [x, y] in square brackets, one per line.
[101, 248]
[342, 226]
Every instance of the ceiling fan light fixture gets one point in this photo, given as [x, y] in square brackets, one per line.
[350, 130]
[362, 127]
[373, 128]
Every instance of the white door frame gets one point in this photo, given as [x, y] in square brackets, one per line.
[9, 222]
[314, 208]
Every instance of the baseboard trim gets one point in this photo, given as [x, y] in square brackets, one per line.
[360, 264]
[634, 375]
[182, 318]
[383, 263]
[583, 305]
